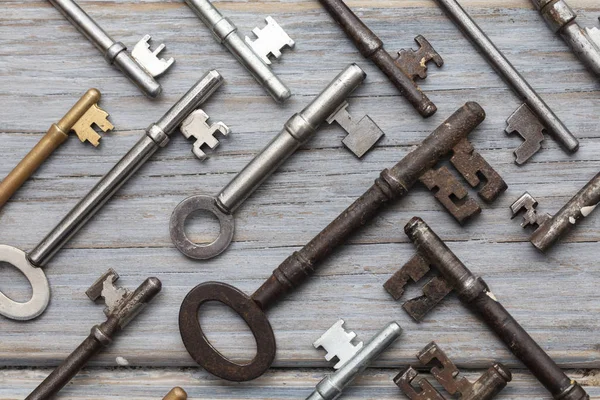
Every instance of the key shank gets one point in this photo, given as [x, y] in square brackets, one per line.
[474, 292]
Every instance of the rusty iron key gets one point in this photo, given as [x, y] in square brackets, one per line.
[401, 71]
[432, 252]
[392, 184]
[551, 228]
[122, 306]
[80, 119]
[445, 372]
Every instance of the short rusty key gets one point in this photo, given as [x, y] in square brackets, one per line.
[393, 184]
[122, 306]
[176, 393]
[80, 119]
[432, 252]
[551, 228]
[445, 372]
[401, 71]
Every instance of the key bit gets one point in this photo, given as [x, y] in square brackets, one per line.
[122, 307]
[149, 59]
[524, 123]
[531, 216]
[477, 296]
[414, 62]
[331, 386]
[270, 40]
[362, 135]
[445, 372]
[337, 342]
[196, 126]
[176, 393]
[80, 119]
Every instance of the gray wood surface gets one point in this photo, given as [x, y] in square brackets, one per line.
[45, 65]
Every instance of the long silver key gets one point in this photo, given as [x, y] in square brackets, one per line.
[352, 359]
[141, 67]
[157, 135]
[254, 55]
[531, 117]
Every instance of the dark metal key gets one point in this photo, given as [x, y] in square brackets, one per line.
[474, 292]
[121, 307]
[393, 184]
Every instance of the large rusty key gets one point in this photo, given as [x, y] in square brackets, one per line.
[80, 119]
[432, 252]
[392, 184]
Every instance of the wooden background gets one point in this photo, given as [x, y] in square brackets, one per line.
[45, 65]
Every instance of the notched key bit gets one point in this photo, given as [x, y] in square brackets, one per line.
[148, 59]
[551, 228]
[270, 40]
[196, 126]
[524, 123]
[445, 372]
[94, 116]
[337, 342]
[414, 62]
[362, 135]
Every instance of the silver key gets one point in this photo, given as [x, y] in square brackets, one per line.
[141, 67]
[362, 135]
[353, 359]
[157, 135]
[196, 126]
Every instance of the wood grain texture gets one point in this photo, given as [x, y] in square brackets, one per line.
[45, 65]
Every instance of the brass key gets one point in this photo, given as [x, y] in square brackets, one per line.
[80, 118]
[176, 393]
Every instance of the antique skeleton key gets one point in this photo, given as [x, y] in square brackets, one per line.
[141, 67]
[531, 118]
[432, 252]
[392, 184]
[122, 306]
[445, 372]
[401, 71]
[80, 119]
[255, 54]
[176, 393]
[585, 42]
[157, 135]
[352, 359]
[296, 131]
[551, 228]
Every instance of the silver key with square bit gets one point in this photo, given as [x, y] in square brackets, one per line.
[196, 126]
[362, 135]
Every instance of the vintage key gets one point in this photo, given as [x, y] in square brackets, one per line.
[401, 71]
[445, 372]
[141, 67]
[81, 119]
[432, 252]
[157, 135]
[122, 306]
[176, 393]
[551, 228]
[254, 55]
[585, 42]
[532, 117]
[392, 184]
[352, 359]
[296, 131]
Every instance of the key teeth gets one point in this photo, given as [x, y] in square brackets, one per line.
[414, 62]
[149, 59]
[337, 342]
[531, 216]
[105, 288]
[84, 130]
[594, 35]
[196, 126]
[525, 124]
[362, 136]
[270, 40]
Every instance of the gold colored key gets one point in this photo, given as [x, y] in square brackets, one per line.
[80, 118]
[176, 393]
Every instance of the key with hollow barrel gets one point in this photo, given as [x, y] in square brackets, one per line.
[401, 71]
[296, 131]
[585, 42]
[157, 135]
[254, 55]
[81, 119]
[141, 67]
[122, 306]
[551, 228]
[392, 184]
[432, 253]
[532, 118]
